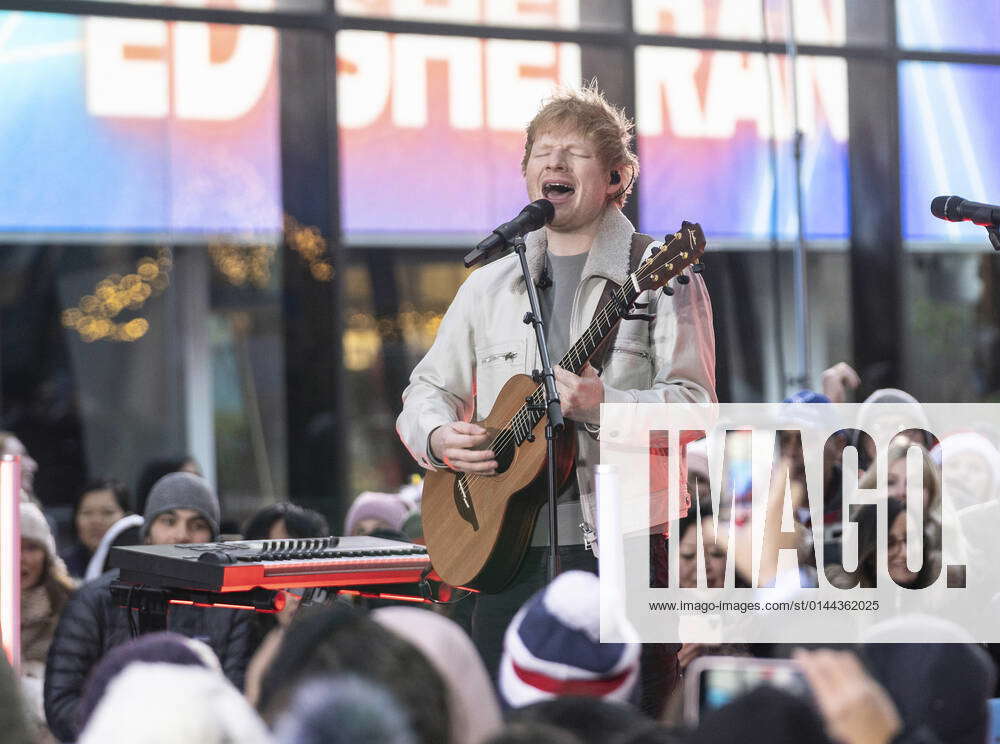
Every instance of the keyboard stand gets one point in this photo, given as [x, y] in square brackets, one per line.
[152, 604]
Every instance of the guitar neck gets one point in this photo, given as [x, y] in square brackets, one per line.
[602, 325]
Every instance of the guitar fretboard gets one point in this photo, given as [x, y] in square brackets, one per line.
[528, 415]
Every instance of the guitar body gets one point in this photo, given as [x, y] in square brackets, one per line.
[478, 527]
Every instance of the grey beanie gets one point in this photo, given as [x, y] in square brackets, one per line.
[182, 491]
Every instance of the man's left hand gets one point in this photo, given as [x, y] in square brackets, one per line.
[580, 394]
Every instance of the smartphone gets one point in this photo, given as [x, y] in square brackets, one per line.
[713, 681]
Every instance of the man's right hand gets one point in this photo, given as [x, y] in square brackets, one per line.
[455, 444]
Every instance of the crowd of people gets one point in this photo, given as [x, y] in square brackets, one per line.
[380, 672]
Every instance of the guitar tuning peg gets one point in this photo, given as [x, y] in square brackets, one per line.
[654, 250]
[698, 267]
[668, 291]
[683, 279]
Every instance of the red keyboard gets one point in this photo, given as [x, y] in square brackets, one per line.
[274, 564]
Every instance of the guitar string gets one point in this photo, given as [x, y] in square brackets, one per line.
[574, 356]
[619, 301]
[523, 416]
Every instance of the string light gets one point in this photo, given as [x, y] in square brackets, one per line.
[94, 317]
[310, 244]
[243, 264]
[364, 335]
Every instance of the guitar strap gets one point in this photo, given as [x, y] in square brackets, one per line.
[600, 356]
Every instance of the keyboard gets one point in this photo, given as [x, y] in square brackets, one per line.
[273, 564]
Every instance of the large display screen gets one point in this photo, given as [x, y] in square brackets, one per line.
[137, 126]
[562, 14]
[815, 21]
[432, 129]
[961, 25]
[705, 126]
[948, 142]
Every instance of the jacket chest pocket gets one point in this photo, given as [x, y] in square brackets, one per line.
[629, 365]
[495, 364]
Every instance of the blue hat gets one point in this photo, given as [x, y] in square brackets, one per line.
[806, 396]
[552, 648]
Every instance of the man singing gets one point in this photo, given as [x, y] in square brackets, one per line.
[577, 155]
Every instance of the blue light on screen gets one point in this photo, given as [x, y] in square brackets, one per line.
[948, 143]
[961, 25]
[134, 126]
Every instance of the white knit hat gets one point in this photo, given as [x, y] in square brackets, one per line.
[156, 703]
[552, 648]
[34, 527]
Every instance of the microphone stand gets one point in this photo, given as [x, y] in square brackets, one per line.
[994, 233]
[799, 257]
[554, 424]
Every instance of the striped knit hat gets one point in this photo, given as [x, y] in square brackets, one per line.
[552, 648]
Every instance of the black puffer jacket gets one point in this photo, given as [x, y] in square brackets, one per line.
[91, 624]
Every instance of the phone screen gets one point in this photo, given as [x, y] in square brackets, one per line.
[719, 680]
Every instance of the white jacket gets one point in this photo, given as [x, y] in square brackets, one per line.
[482, 342]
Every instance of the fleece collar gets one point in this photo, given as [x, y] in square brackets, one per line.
[608, 257]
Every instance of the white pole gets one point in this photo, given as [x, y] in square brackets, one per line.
[10, 559]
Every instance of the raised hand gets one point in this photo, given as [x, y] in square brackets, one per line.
[855, 708]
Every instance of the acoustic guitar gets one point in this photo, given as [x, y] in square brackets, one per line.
[479, 527]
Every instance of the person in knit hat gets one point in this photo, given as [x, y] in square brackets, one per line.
[973, 466]
[181, 508]
[472, 704]
[45, 590]
[373, 511]
[344, 709]
[552, 648]
[155, 703]
[163, 647]
[906, 417]
[941, 690]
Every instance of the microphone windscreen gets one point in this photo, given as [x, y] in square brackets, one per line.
[548, 210]
[940, 208]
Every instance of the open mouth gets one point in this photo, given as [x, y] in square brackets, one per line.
[557, 191]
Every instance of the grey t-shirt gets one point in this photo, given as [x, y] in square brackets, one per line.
[556, 303]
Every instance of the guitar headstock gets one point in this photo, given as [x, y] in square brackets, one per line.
[682, 249]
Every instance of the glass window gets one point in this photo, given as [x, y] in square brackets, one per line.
[245, 340]
[384, 338]
[704, 126]
[115, 355]
[950, 349]
[962, 25]
[280, 6]
[948, 144]
[755, 340]
[555, 14]
[138, 126]
[816, 21]
[432, 130]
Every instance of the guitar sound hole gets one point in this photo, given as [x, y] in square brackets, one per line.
[504, 453]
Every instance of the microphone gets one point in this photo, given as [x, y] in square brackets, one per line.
[957, 209]
[532, 217]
